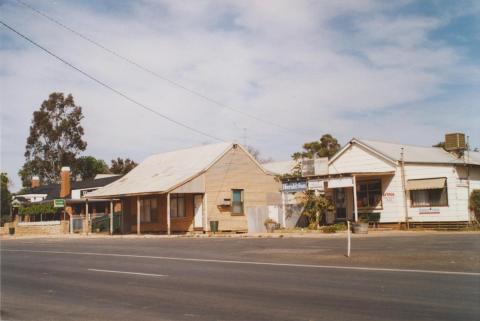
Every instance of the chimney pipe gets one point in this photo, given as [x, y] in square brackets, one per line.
[65, 182]
[35, 181]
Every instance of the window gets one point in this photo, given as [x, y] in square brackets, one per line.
[237, 201]
[148, 209]
[177, 205]
[369, 194]
[429, 197]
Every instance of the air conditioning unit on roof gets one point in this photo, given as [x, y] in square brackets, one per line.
[455, 142]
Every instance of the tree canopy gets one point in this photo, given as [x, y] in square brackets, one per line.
[6, 196]
[326, 146]
[122, 166]
[88, 167]
[257, 154]
[55, 139]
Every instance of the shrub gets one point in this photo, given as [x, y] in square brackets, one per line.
[314, 207]
[475, 203]
[334, 228]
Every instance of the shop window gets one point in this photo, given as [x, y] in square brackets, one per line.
[429, 197]
[237, 202]
[369, 194]
[177, 205]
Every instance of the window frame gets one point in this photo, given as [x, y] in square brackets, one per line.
[430, 205]
[153, 211]
[176, 197]
[367, 181]
[242, 201]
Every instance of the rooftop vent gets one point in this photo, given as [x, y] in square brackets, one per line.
[455, 142]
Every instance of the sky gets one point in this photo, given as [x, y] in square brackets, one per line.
[400, 71]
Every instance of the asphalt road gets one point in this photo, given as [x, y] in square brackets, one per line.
[421, 277]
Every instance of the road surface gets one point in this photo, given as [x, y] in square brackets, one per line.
[415, 277]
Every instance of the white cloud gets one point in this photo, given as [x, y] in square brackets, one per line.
[282, 60]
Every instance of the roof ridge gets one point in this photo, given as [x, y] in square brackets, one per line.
[395, 143]
[189, 148]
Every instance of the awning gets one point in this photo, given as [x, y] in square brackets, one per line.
[429, 183]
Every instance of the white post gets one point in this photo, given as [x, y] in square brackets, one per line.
[138, 215]
[348, 238]
[355, 206]
[205, 213]
[168, 214]
[284, 224]
[87, 216]
[111, 217]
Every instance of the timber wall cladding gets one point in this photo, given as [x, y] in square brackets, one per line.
[236, 170]
[159, 217]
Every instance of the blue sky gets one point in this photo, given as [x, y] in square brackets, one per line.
[402, 71]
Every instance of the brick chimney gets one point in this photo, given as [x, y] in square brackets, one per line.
[35, 181]
[65, 182]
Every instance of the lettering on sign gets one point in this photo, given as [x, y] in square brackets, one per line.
[316, 184]
[58, 203]
[85, 191]
[389, 196]
[296, 186]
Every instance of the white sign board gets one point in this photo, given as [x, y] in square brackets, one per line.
[295, 186]
[316, 185]
[429, 210]
[340, 182]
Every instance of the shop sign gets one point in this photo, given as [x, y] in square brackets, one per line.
[294, 186]
[428, 210]
[58, 203]
[316, 185]
[340, 182]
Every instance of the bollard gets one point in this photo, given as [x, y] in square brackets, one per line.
[348, 238]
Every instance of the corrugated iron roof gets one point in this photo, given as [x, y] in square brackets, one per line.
[162, 172]
[418, 154]
[281, 167]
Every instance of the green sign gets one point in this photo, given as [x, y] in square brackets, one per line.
[58, 203]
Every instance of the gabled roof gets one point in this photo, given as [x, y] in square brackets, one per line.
[163, 172]
[411, 153]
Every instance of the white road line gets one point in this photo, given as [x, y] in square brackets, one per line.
[336, 267]
[125, 272]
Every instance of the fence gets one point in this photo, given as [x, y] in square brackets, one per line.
[77, 223]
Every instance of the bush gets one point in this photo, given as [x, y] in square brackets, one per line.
[5, 219]
[334, 228]
[475, 203]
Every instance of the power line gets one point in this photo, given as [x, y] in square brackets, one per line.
[153, 73]
[116, 91]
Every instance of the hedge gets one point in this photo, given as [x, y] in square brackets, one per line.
[37, 209]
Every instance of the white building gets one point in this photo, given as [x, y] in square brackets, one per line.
[399, 182]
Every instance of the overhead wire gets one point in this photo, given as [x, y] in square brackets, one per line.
[155, 74]
[105, 85]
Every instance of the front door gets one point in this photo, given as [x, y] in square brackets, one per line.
[340, 204]
[198, 211]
